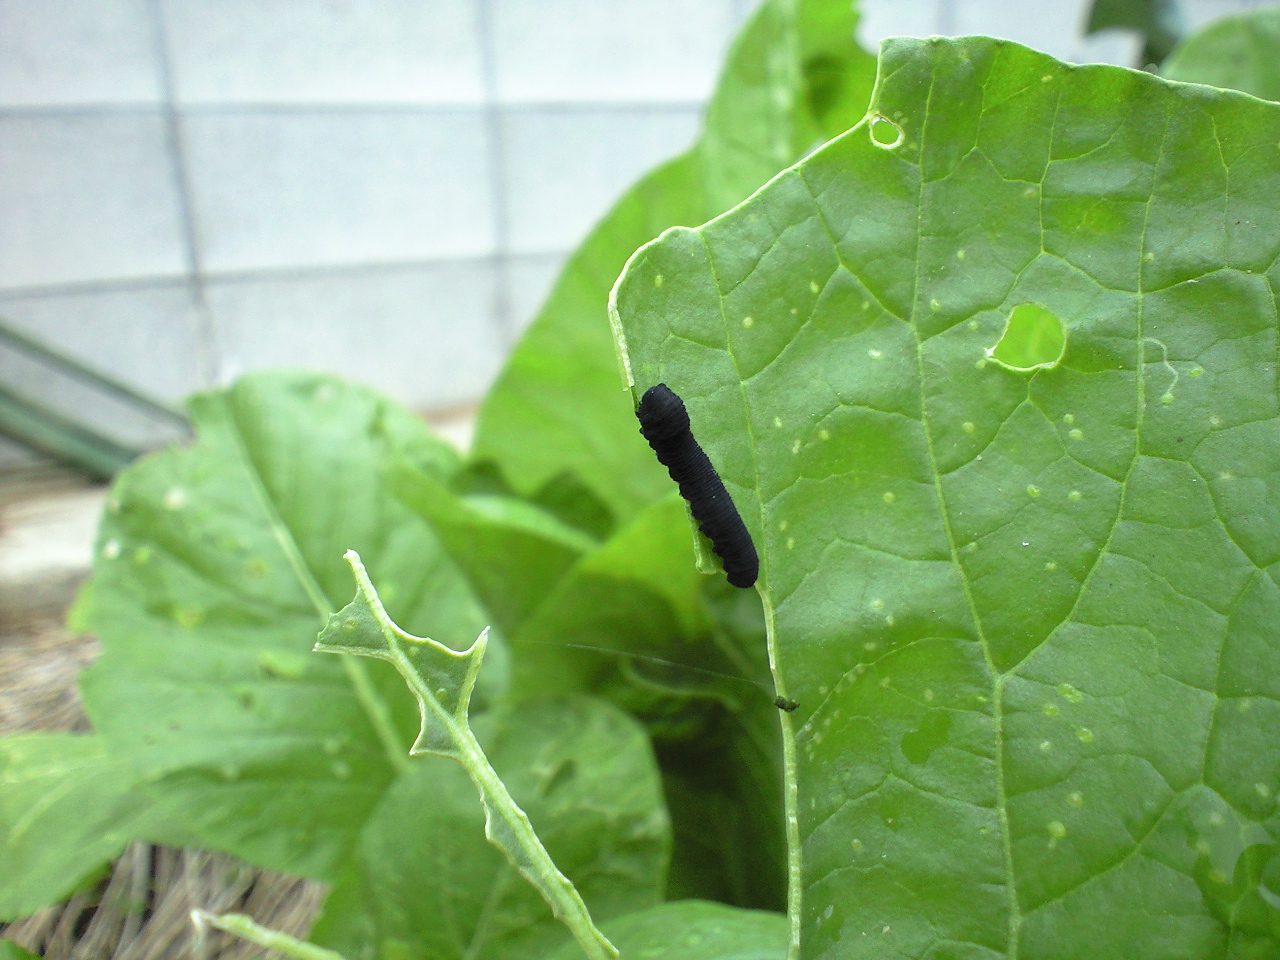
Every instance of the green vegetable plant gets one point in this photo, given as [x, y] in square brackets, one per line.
[991, 378]
[1028, 608]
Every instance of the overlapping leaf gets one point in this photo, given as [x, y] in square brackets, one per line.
[1030, 617]
[11, 951]
[693, 679]
[215, 567]
[585, 775]
[556, 421]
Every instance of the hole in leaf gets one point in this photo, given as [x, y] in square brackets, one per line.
[885, 133]
[1033, 339]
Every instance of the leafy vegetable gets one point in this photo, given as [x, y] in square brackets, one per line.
[218, 564]
[441, 681]
[794, 76]
[556, 424]
[1240, 52]
[639, 594]
[584, 773]
[1029, 617]
[996, 397]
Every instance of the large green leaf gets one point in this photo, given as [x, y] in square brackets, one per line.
[693, 930]
[794, 76]
[66, 808]
[11, 951]
[215, 567]
[1029, 615]
[1240, 52]
[426, 883]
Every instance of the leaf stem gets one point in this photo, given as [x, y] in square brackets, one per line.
[534, 861]
[247, 928]
[366, 694]
[508, 828]
[790, 791]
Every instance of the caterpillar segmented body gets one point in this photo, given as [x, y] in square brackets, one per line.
[664, 422]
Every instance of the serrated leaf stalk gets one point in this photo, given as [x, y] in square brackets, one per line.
[442, 680]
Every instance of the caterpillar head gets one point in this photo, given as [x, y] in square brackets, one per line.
[662, 414]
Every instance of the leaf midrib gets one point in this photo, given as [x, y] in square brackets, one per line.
[997, 679]
[790, 773]
[371, 702]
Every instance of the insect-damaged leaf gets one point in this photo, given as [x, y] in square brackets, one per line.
[585, 774]
[441, 679]
[215, 566]
[1030, 616]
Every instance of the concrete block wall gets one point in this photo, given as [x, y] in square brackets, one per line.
[193, 188]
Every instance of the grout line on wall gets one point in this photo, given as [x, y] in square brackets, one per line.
[212, 278]
[207, 361]
[500, 222]
[347, 108]
[39, 291]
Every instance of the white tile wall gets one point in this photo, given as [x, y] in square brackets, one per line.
[898, 18]
[87, 197]
[566, 167]
[1200, 12]
[616, 51]
[381, 187]
[303, 51]
[1056, 28]
[420, 333]
[75, 52]
[308, 189]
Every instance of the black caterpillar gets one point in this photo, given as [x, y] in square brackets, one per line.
[664, 422]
